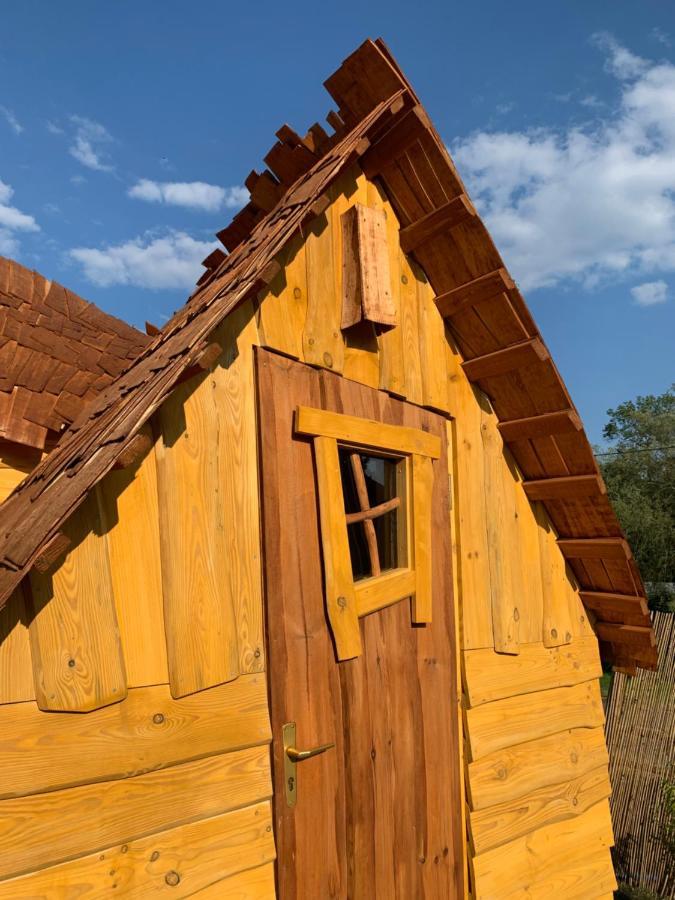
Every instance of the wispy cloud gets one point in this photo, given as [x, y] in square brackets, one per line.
[11, 119]
[650, 293]
[190, 194]
[12, 220]
[170, 260]
[53, 128]
[89, 144]
[661, 36]
[586, 203]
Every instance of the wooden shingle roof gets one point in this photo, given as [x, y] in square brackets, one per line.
[381, 124]
[57, 352]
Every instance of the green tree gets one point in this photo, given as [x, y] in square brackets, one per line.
[639, 469]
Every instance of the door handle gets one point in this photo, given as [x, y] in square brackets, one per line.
[299, 755]
[292, 756]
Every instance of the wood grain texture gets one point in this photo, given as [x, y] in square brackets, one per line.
[16, 665]
[15, 464]
[187, 859]
[551, 857]
[387, 710]
[490, 676]
[515, 720]
[150, 730]
[422, 488]
[366, 285]
[431, 339]
[130, 517]
[74, 635]
[282, 307]
[515, 772]
[254, 884]
[504, 822]
[50, 828]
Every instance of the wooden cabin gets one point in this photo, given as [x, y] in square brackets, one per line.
[306, 594]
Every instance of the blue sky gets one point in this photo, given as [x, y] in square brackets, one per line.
[127, 129]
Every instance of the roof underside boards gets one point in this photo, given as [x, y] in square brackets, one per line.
[57, 352]
[380, 123]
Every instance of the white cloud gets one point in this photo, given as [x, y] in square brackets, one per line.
[11, 221]
[11, 119]
[53, 128]
[191, 194]
[171, 260]
[89, 142]
[650, 293]
[587, 203]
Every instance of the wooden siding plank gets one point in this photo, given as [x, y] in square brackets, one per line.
[409, 326]
[50, 828]
[423, 480]
[282, 307]
[558, 595]
[188, 858]
[431, 347]
[16, 667]
[149, 730]
[530, 864]
[392, 362]
[254, 884]
[518, 771]
[130, 516]
[515, 720]
[490, 676]
[366, 291]
[500, 362]
[507, 821]
[74, 635]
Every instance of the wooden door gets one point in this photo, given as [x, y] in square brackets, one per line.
[378, 816]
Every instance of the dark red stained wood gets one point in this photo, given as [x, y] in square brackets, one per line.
[395, 141]
[502, 361]
[378, 816]
[565, 421]
[567, 486]
[450, 215]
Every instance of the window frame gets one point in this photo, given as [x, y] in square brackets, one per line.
[348, 600]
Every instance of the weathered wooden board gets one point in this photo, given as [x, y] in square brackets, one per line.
[432, 347]
[130, 518]
[283, 306]
[16, 666]
[254, 884]
[45, 829]
[492, 676]
[148, 731]
[515, 720]
[74, 636]
[507, 821]
[537, 862]
[558, 627]
[185, 859]
[518, 771]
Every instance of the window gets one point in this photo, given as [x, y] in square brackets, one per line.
[374, 484]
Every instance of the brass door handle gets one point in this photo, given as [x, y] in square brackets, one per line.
[292, 756]
[299, 755]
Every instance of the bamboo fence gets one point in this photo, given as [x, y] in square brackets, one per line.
[641, 741]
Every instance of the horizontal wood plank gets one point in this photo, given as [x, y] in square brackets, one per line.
[376, 593]
[515, 720]
[437, 221]
[547, 854]
[187, 859]
[566, 421]
[595, 548]
[490, 676]
[483, 288]
[631, 635]
[46, 829]
[516, 772]
[565, 487]
[366, 432]
[394, 142]
[254, 884]
[510, 358]
[631, 610]
[150, 730]
[507, 821]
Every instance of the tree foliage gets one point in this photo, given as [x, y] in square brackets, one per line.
[639, 469]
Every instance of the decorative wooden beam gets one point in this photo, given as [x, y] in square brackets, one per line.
[52, 550]
[500, 362]
[434, 223]
[595, 548]
[135, 450]
[204, 361]
[484, 288]
[621, 604]
[374, 512]
[395, 142]
[265, 190]
[151, 330]
[566, 421]
[366, 282]
[625, 634]
[565, 487]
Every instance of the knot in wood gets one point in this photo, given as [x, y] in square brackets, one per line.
[172, 878]
[158, 718]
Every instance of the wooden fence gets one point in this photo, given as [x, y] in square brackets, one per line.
[641, 741]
